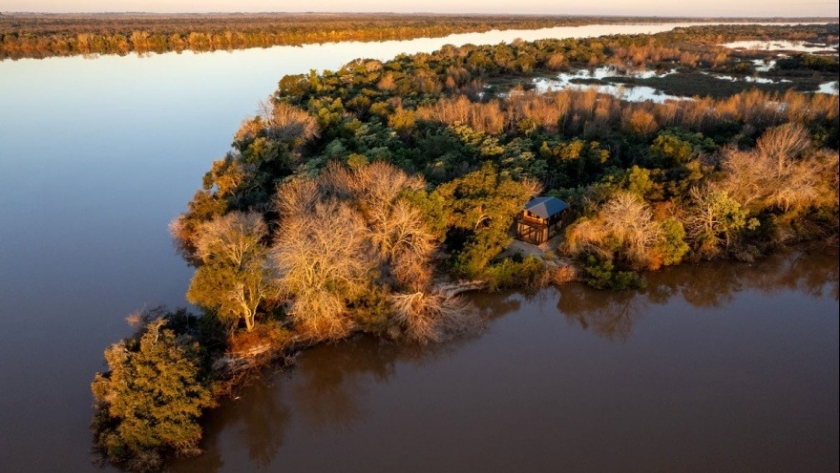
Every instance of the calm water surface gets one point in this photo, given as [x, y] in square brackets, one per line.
[720, 367]
[98, 155]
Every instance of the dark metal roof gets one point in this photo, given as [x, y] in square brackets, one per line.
[545, 207]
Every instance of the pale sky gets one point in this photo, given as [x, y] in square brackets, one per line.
[760, 8]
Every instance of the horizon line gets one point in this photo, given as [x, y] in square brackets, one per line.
[579, 15]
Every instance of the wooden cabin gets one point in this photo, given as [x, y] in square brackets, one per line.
[539, 221]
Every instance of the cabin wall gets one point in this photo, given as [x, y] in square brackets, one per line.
[536, 230]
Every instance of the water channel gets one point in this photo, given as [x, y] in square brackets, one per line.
[97, 155]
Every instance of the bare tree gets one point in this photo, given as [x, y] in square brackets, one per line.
[777, 173]
[630, 220]
[397, 230]
[232, 237]
[296, 197]
[624, 223]
[404, 244]
[284, 121]
[323, 259]
[485, 117]
[783, 143]
[433, 316]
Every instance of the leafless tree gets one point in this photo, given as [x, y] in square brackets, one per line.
[630, 220]
[779, 172]
[284, 121]
[624, 221]
[232, 237]
[783, 143]
[323, 259]
[296, 197]
[433, 316]
[404, 245]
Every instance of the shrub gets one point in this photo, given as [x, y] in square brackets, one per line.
[529, 272]
[270, 337]
[602, 274]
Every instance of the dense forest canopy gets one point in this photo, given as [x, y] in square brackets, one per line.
[43, 35]
[681, 174]
[357, 199]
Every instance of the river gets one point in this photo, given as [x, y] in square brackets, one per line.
[97, 155]
[717, 367]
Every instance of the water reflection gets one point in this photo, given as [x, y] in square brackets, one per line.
[328, 387]
[708, 286]
[777, 45]
[628, 92]
[361, 399]
[330, 383]
[264, 422]
[257, 415]
[611, 317]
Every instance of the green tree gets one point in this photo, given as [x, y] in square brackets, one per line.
[481, 209]
[717, 219]
[233, 278]
[672, 150]
[671, 244]
[149, 402]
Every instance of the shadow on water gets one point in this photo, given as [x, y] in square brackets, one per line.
[334, 390]
[708, 286]
[328, 393]
[259, 418]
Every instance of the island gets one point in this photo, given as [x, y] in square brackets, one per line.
[366, 199]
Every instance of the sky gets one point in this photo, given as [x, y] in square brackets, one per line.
[759, 8]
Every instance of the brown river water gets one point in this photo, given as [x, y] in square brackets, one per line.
[718, 367]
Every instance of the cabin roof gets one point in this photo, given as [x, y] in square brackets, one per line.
[545, 207]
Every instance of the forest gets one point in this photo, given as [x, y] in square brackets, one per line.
[38, 35]
[362, 200]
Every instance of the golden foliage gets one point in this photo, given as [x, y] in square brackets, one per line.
[287, 122]
[484, 117]
[433, 316]
[624, 224]
[781, 172]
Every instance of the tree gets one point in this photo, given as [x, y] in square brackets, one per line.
[149, 402]
[404, 244]
[432, 316]
[482, 206]
[782, 143]
[716, 219]
[624, 227]
[779, 173]
[323, 260]
[234, 277]
[629, 220]
[289, 123]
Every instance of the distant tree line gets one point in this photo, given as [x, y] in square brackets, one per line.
[45, 35]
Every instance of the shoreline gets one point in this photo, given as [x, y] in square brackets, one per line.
[160, 33]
